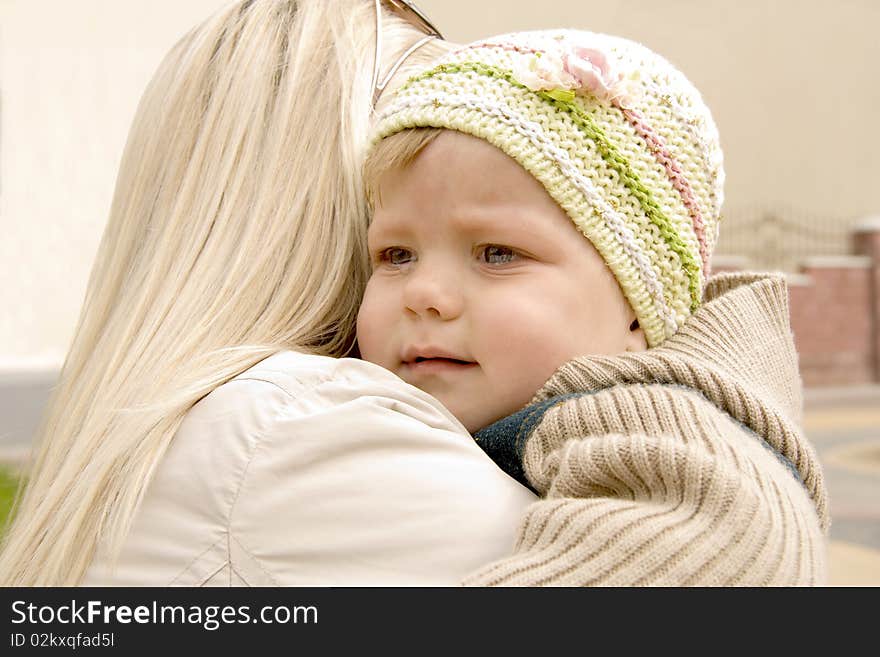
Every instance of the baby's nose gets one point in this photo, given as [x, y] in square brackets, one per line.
[433, 292]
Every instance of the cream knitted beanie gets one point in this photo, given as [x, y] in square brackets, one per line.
[620, 139]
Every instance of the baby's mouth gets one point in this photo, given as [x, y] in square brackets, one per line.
[437, 365]
[454, 361]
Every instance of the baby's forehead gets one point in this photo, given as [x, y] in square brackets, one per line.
[467, 180]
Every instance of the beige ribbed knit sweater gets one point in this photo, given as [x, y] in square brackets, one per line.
[664, 474]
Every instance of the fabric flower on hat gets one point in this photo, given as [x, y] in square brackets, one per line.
[574, 70]
[545, 71]
[591, 69]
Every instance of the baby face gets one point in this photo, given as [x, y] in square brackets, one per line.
[482, 286]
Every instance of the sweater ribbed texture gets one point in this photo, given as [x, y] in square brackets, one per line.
[659, 476]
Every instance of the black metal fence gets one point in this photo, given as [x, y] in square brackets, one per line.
[779, 238]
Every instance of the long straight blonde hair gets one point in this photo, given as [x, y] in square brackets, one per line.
[237, 230]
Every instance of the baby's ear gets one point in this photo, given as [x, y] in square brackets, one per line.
[635, 339]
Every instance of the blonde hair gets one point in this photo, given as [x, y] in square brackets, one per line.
[237, 230]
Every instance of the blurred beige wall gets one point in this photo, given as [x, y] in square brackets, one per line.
[71, 75]
[792, 84]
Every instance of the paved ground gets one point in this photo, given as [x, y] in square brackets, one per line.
[22, 398]
[844, 425]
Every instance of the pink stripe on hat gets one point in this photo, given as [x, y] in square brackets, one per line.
[673, 171]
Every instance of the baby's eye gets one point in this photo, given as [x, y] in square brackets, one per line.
[395, 256]
[494, 254]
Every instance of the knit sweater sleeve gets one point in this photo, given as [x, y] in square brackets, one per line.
[647, 485]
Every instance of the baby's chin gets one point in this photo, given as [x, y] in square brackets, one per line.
[473, 414]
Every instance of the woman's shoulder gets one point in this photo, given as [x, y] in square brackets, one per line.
[288, 472]
[254, 459]
[291, 371]
[360, 479]
[298, 370]
[283, 398]
[291, 395]
[296, 382]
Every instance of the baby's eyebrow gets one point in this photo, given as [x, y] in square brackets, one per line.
[491, 218]
[387, 227]
[504, 218]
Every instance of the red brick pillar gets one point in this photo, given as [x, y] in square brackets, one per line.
[866, 241]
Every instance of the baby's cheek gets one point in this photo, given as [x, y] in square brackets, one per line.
[542, 338]
[370, 329]
[526, 345]
[543, 362]
[528, 366]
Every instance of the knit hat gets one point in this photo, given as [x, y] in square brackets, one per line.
[620, 139]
